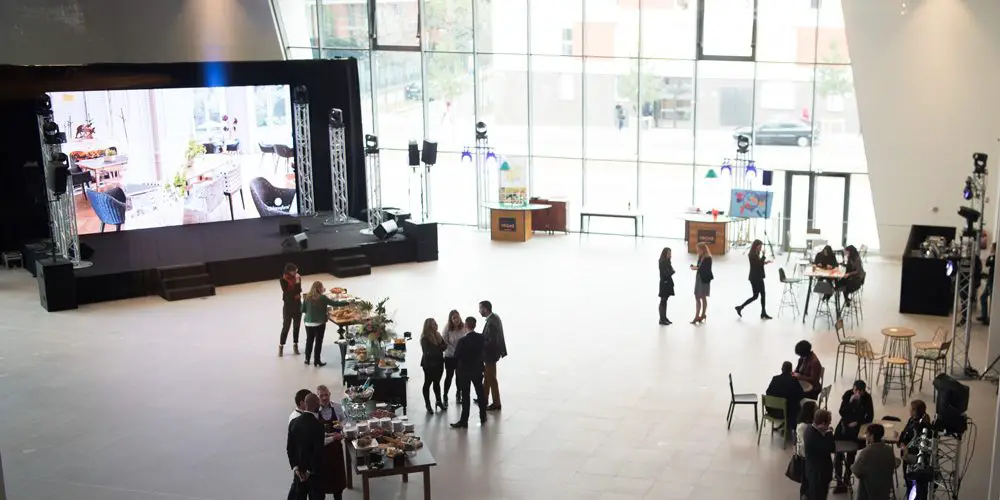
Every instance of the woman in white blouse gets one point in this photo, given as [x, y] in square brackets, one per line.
[454, 330]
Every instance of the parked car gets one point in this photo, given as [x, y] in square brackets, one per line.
[413, 92]
[781, 133]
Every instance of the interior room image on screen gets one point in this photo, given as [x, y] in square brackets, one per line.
[147, 158]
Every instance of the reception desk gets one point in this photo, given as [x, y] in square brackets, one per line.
[704, 228]
[512, 222]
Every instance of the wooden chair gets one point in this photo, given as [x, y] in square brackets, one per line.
[934, 344]
[867, 358]
[845, 345]
[740, 399]
[824, 397]
[777, 423]
[935, 360]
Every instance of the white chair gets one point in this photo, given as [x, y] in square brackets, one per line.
[232, 183]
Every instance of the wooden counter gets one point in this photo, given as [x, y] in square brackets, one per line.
[707, 229]
[512, 222]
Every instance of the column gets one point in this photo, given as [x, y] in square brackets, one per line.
[994, 461]
[993, 342]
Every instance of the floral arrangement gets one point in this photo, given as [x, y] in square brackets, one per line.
[375, 326]
[86, 130]
[229, 127]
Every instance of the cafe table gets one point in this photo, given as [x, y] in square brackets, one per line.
[897, 342]
[835, 274]
[891, 427]
[417, 462]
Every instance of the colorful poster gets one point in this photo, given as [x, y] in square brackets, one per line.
[513, 182]
[750, 204]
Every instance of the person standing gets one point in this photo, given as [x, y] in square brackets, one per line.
[304, 447]
[432, 361]
[315, 309]
[856, 409]
[806, 416]
[818, 446]
[702, 283]
[333, 479]
[454, 330]
[291, 311]
[875, 466]
[469, 354]
[666, 284]
[757, 264]
[984, 299]
[300, 404]
[494, 350]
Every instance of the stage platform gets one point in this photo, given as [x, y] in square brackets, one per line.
[244, 251]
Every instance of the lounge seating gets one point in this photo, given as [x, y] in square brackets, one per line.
[109, 206]
[266, 198]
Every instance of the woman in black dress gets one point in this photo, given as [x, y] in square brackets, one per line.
[666, 284]
[757, 263]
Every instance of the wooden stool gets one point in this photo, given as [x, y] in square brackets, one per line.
[895, 377]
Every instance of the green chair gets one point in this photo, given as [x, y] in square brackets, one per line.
[777, 423]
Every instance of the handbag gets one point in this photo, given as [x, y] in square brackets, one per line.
[796, 468]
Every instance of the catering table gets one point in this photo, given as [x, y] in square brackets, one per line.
[389, 385]
[814, 272]
[709, 229]
[512, 222]
[420, 462]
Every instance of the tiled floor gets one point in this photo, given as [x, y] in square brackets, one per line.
[144, 399]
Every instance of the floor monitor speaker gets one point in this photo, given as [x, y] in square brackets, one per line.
[386, 230]
[289, 227]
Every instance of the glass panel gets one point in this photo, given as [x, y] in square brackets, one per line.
[503, 101]
[828, 209]
[556, 27]
[861, 226]
[711, 193]
[612, 118]
[783, 128]
[502, 26]
[396, 180]
[831, 44]
[451, 100]
[453, 190]
[611, 186]
[298, 23]
[669, 27]
[727, 29]
[344, 25]
[364, 82]
[399, 98]
[668, 96]
[841, 147]
[611, 30]
[798, 215]
[557, 106]
[447, 25]
[664, 194]
[725, 104]
[786, 31]
[302, 53]
[396, 23]
[556, 178]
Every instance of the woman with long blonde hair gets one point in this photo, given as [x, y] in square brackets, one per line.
[702, 283]
[432, 361]
[314, 307]
[454, 330]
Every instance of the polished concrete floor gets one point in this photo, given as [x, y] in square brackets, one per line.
[145, 399]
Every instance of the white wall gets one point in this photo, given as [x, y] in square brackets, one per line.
[136, 31]
[927, 87]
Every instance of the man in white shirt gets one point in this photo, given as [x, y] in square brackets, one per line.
[300, 398]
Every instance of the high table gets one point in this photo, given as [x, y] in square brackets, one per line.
[420, 462]
[708, 229]
[512, 222]
[834, 274]
[897, 342]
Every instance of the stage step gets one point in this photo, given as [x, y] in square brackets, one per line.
[185, 282]
[346, 266]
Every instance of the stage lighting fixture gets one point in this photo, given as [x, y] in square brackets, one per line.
[466, 154]
[742, 144]
[43, 105]
[949, 268]
[52, 133]
[979, 160]
[480, 130]
[967, 192]
[971, 217]
[751, 168]
[300, 95]
[491, 156]
[371, 144]
[726, 166]
[336, 118]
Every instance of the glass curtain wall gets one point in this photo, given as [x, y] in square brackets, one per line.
[613, 104]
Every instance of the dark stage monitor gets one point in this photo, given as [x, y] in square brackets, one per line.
[147, 158]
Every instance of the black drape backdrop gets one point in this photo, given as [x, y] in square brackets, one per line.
[331, 84]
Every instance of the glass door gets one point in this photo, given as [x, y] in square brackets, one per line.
[816, 202]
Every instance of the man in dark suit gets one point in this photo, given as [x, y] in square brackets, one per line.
[305, 452]
[469, 354]
[495, 349]
[819, 448]
[784, 385]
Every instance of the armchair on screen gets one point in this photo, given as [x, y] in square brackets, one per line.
[109, 206]
[81, 178]
[270, 201]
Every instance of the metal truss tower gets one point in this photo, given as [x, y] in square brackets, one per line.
[303, 150]
[374, 173]
[338, 168]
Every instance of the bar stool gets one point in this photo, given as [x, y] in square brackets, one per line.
[935, 359]
[789, 293]
[824, 289]
[895, 377]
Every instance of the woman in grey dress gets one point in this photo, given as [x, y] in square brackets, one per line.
[702, 283]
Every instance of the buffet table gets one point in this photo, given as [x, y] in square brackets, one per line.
[420, 462]
[390, 385]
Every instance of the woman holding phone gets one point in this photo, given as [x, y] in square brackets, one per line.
[702, 283]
